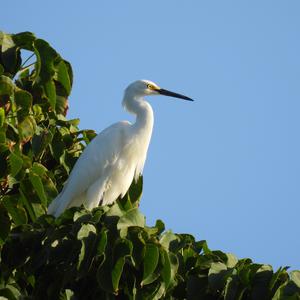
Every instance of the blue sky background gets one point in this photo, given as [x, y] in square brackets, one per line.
[226, 167]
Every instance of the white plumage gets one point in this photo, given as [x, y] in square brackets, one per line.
[116, 156]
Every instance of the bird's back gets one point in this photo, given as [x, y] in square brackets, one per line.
[105, 169]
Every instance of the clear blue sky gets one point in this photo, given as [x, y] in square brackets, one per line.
[226, 167]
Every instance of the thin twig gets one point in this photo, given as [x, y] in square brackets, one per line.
[27, 60]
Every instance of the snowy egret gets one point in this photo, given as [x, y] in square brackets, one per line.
[116, 156]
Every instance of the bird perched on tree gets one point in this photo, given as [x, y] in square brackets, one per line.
[116, 156]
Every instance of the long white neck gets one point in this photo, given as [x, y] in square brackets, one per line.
[138, 106]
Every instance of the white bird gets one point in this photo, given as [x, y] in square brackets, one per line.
[116, 156]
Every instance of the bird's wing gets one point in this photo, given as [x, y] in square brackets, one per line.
[95, 161]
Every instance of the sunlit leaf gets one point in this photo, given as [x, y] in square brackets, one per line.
[295, 277]
[2, 116]
[117, 272]
[132, 217]
[151, 259]
[62, 76]
[85, 230]
[231, 260]
[167, 238]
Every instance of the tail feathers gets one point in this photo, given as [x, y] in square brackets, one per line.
[62, 202]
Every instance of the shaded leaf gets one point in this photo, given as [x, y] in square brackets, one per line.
[6, 86]
[15, 163]
[102, 243]
[217, 275]
[27, 128]
[23, 100]
[37, 183]
[16, 211]
[135, 190]
[4, 224]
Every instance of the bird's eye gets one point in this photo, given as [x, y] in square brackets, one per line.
[150, 87]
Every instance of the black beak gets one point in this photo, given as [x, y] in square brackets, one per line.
[171, 94]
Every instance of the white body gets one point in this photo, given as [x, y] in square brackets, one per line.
[108, 165]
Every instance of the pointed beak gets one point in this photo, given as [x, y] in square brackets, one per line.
[171, 94]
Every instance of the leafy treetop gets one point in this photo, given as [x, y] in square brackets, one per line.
[107, 253]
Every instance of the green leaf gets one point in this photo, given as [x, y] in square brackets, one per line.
[23, 100]
[231, 260]
[24, 40]
[4, 224]
[6, 41]
[217, 275]
[117, 272]
[102, 242]
[88, 237]
[27, 204]
[62, 76]
[15, 163]
[67, 295]
[2, 116]
[37, 175]
[123, 248]
[2, 140]
[16, 212]
[61, 105]
[50, 93]
[37, 184]
[166, 267]
[27, 128]
[85, 231]
[174, 268]
[46, 57]
[231, 289]
[167, 238]
[10, 54]
[295, 277]
[132, 217]
[159, 224]
[151, 259]
[7, 294]
[6, 86]
[135, 190]
[38, 169]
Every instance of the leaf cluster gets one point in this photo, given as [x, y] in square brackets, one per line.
[107, 253]
[38, 146]
[110, 253]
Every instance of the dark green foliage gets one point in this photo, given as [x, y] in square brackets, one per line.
[108, 253]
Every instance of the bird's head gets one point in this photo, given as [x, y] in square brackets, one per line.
[147, 88]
